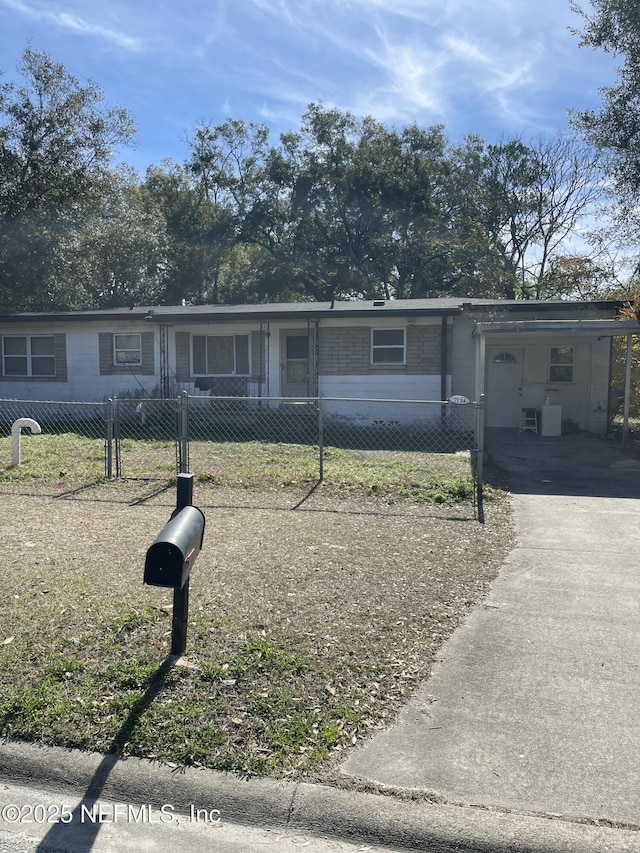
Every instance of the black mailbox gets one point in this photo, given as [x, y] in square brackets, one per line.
[173, 553]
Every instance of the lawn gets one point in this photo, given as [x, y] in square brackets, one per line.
[315, 609]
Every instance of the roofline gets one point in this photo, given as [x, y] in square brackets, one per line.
[604, 328]
[541, 305]
[309, 311]
[180, 315]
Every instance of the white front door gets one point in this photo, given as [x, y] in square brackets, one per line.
[504, 386]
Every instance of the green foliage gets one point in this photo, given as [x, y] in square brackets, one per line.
[614, 26]
[57, 140]
[618, 372]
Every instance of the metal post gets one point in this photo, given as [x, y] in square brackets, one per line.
[320, 440]
[108, 439]
[627, 391]
[116, 436]
[183, 432]
[480, 424]
[179, 621]
[184, 497]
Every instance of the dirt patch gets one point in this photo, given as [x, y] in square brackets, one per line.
[363, 590]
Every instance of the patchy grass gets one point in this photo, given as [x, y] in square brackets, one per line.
[49, 459]
[308, 629]
[69, 460]
[420, 477]
[251, 704]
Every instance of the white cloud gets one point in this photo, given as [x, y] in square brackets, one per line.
[406, 59]
[73, 23]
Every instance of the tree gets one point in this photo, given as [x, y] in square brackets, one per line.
[614, 26]
[57, 141]
[120, 253]
[347, 208]
[522, 207]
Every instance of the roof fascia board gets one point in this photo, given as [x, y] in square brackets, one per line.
[161, 318]
[599, 327]
[541, 305]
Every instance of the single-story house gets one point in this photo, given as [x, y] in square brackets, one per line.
[520, 354]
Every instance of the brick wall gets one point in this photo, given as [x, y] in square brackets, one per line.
[345, 351]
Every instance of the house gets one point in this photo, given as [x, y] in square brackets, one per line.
[521, 354]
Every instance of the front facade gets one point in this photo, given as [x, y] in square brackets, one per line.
[382, 350]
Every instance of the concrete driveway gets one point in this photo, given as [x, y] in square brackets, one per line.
[534, 705]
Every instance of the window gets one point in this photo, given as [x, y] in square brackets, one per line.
[387, 346]
[561, 364]
[221, 355]
[127, 350]
[505, 358]
[28, 355]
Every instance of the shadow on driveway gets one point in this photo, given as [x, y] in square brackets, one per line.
[578, 464]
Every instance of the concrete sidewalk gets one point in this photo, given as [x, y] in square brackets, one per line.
[534, 704]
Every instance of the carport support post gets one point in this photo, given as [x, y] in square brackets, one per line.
[480, 427]
[181, 595]
[627, 391]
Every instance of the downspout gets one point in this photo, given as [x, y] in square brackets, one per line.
[481, 355]
[609, 412]
[444, 343]
[309, 360]
[316, 360]
[164, 362]
[443, 366]
[267, 362]
[261, 364]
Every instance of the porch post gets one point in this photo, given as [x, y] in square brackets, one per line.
[627, 391]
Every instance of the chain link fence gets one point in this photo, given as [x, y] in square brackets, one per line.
[72, 434]
[241, 439]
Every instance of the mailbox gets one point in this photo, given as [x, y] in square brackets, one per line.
[171, 556]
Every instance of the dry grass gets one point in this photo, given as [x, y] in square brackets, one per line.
[314, 613]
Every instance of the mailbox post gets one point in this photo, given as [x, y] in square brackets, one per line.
[171, 557]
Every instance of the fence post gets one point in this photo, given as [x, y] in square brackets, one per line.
[108, 457]
[116, 436]
[320, 440]
[479, 454]
[183, 432]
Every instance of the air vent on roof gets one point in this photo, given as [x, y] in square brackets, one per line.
[378, 303]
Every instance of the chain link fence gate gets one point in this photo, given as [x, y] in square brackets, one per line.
[141, 438]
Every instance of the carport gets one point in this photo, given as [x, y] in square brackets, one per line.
[564, 364]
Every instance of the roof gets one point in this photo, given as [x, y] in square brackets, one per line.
[603, 327]
[443, 307]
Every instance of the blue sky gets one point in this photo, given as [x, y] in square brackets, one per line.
[493, 67]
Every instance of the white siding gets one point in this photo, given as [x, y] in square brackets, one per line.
[381, 388]
[84, 382]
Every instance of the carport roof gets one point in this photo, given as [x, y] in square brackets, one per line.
[606, 328]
